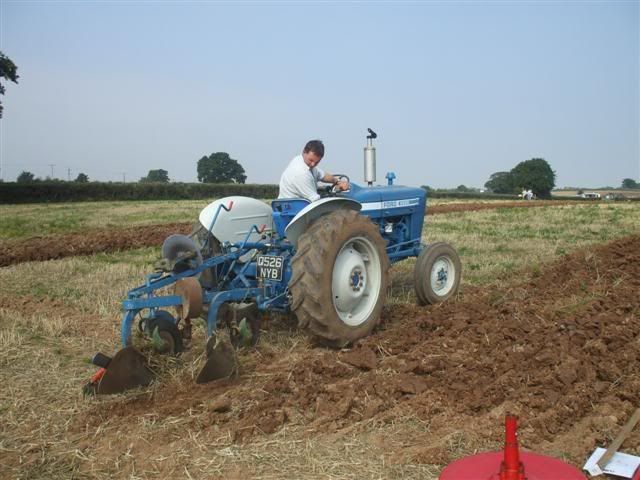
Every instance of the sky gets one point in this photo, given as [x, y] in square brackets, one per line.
[455, 90]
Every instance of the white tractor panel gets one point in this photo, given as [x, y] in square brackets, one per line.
[233, 226]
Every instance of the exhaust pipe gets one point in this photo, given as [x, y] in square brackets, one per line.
[370, 159]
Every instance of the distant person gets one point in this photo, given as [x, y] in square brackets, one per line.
[300, 178]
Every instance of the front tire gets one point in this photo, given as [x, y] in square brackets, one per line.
[437, 273]
[339, 278]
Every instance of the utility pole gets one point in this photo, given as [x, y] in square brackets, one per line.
[124, 177]
[68, 174]
[52, 165]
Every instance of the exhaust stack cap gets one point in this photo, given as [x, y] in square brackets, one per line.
[370, 159]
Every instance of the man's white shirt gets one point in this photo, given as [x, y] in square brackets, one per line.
[298, 181]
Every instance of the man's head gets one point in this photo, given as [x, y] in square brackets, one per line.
[313, 153]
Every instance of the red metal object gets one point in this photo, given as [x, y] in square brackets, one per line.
[511, 468]
[98, 375]
[510, 464]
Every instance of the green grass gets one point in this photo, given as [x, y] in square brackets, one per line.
[22, 221]
[499, 242]
[495, 246]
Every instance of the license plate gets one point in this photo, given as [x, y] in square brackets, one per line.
[270, 267]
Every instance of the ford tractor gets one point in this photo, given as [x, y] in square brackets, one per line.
[327, 262]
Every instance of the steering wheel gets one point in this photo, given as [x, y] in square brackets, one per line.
[333, 190]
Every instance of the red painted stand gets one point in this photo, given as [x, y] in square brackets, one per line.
[510, 464]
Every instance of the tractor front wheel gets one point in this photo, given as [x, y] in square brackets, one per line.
[437, 273]
[339, 278]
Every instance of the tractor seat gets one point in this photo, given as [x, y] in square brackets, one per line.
[284, 209]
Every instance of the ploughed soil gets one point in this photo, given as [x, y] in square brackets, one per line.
[50, 247]
[562, 351]
[88, 242]
[473, 207]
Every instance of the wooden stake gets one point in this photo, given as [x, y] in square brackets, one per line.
[615, 445]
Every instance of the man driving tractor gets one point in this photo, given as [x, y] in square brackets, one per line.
[299, 180]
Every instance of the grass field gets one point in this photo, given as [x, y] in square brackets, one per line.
[22, 221]
[493, 245]
[54, 314]
[497, 245]
[574, 193]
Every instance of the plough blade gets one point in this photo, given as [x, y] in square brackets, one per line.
[221, 361]
[126, 370]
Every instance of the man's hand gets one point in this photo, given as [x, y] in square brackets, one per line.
[342, 185]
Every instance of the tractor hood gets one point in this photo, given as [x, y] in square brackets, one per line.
[383, 199]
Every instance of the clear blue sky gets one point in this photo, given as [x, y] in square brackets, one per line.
[456, 91]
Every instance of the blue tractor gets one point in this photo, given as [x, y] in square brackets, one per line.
[327, 262]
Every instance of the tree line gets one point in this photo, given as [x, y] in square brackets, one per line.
[535, 175]
[218, 167]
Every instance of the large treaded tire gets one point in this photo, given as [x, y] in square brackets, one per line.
[313, 281]
[437, 273]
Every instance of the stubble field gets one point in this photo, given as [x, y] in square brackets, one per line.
[545, 326]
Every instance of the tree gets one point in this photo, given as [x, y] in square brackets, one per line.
[500, 182]
[26, 177]
[536, 175]
[8, 71]
[219, 167]
[463, 188]
[630, 183]
[82, 178]
[156, 176]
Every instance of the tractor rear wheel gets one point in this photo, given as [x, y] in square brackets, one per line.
[339, 278]
[436, 274]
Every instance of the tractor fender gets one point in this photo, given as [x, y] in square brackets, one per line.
[234, 225]
[315, 210]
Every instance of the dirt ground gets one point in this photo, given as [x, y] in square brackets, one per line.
[109, 240]
[51, 247]
[431, 385]
[561, 351]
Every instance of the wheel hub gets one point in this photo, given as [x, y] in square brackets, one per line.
[356, 280]
[354, 295]
[441, 280]
[348, 279]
